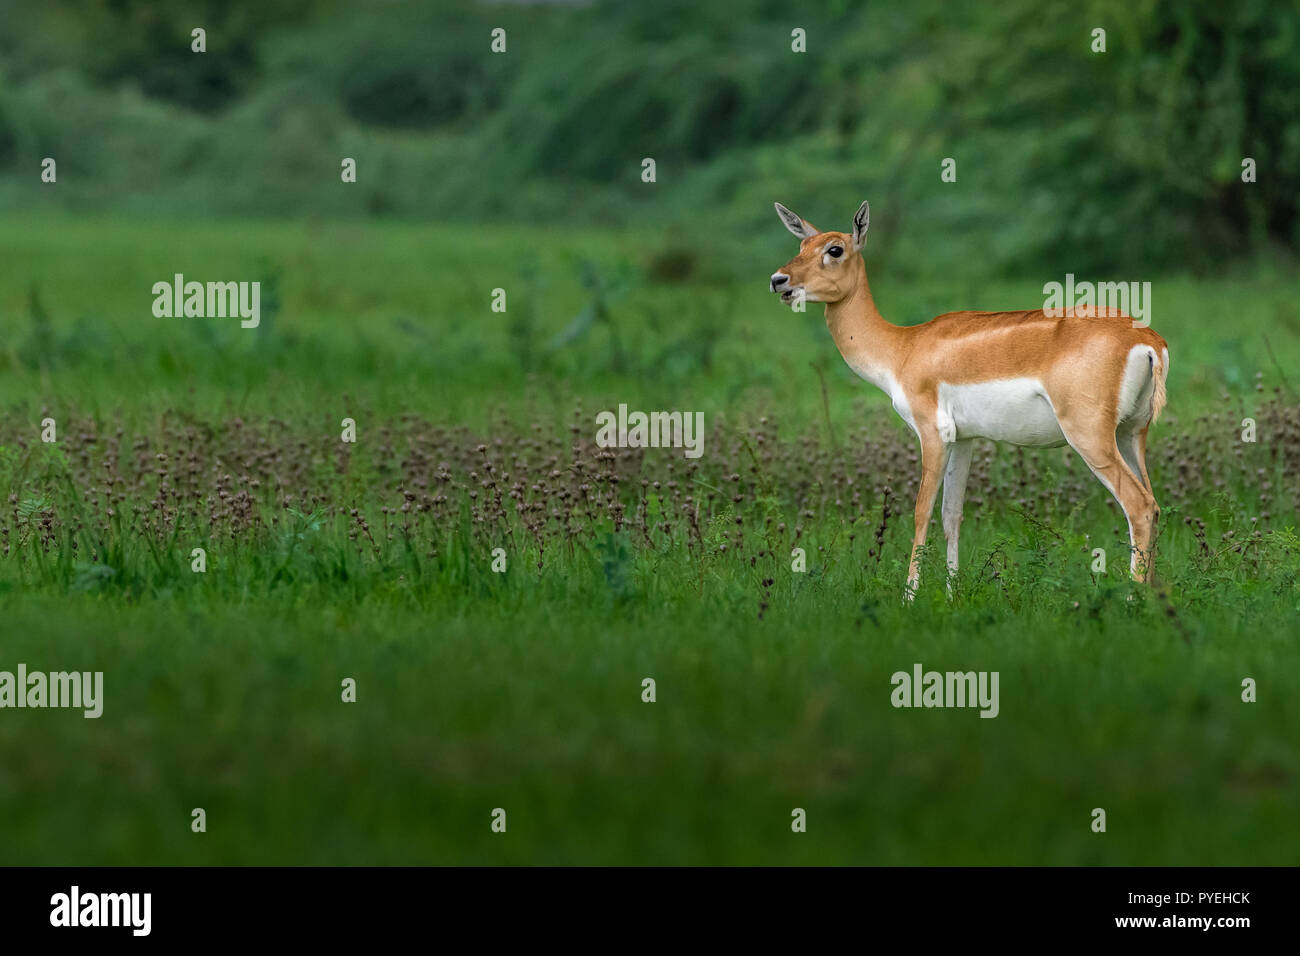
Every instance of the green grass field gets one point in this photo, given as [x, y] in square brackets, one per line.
[522, 690]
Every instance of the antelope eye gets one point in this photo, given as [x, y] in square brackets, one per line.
[835, 252]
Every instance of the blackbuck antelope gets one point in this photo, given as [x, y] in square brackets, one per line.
[1028, 378]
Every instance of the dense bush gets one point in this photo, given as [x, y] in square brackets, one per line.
[1127, 160]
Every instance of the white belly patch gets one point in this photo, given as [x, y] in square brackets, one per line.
[1013, 410]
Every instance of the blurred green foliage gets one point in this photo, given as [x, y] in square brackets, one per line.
[1067, 159]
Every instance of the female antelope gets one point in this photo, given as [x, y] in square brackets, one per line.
[1029, 378]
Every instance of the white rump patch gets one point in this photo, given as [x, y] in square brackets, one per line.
[1137, 387]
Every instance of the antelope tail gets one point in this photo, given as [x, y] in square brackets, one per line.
[1159, 372]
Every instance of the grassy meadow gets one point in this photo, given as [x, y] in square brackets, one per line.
[522, 689]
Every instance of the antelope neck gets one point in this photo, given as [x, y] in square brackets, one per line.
[869, 344]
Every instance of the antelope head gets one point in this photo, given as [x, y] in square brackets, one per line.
[828, 265]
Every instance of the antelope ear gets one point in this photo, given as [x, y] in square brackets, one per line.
[861, 220]
[800, 227]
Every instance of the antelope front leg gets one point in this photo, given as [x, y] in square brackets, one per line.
[934, 459]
